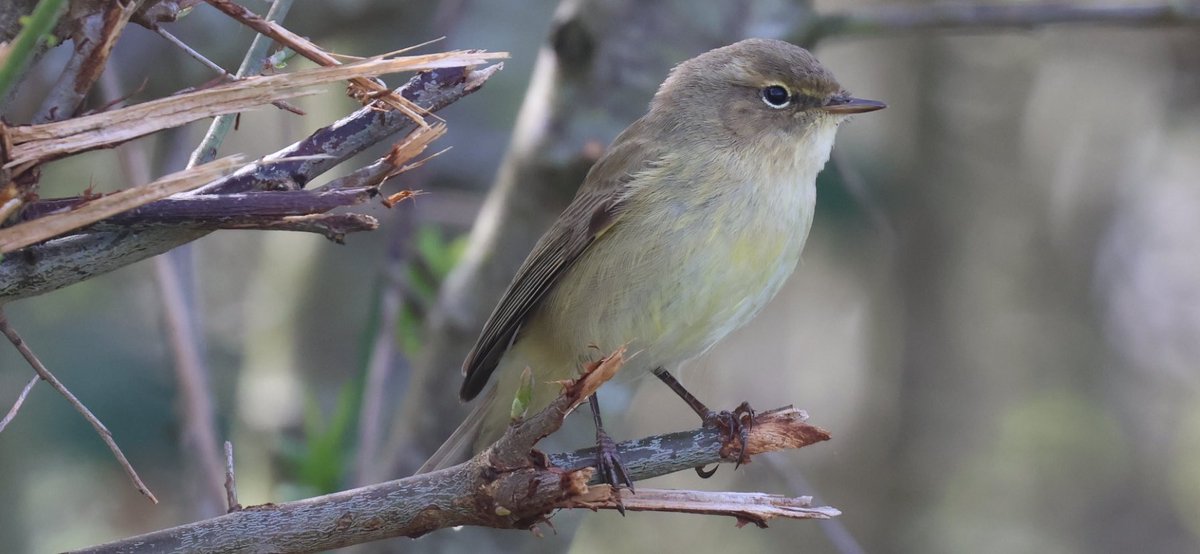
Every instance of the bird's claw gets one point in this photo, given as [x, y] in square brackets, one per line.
[735, 424]
[608, 463]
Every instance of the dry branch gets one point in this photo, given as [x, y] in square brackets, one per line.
[508, 486]
[364, 89]
[40, 143]
[94, 36]
[60, 262]
[301, 210]
[89, 212]
[746, 507]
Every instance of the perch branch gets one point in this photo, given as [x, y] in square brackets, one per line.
[44, 373]
[507, 486]
[780, 429]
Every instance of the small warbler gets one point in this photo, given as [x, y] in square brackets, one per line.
[686, 227]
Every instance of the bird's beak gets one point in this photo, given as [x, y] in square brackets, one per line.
[846, 105]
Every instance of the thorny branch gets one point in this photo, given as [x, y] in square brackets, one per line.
[508, 486]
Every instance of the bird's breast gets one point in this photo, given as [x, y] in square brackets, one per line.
[682, 268]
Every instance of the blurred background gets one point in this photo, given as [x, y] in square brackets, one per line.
[997, 315]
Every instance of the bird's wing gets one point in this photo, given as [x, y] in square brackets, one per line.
[595, 209]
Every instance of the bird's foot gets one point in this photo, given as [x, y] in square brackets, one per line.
[608, 463]
[736, 425]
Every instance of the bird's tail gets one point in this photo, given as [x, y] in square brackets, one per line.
[464, 441]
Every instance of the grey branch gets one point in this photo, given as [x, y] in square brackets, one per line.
[507, 486]
[659, 455]
[975, 17]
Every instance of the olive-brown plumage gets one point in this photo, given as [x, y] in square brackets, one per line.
[682, 231]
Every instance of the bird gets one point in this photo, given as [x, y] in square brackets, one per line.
[688, 224]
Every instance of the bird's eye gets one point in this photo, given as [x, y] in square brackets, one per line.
[776, 96]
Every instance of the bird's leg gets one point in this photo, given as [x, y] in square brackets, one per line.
[608, 461]
[736, 423]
